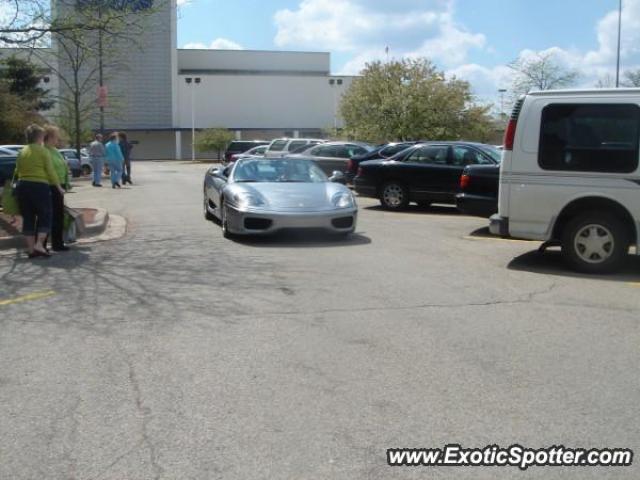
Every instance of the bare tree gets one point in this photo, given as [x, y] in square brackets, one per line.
[32, 22]
[606, 82]
[631, 78]
[540, 72]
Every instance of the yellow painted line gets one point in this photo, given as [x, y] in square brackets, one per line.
[499, 239]
[28, 298]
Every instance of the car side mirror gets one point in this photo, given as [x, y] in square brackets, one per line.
[338, 177]
[220, 173]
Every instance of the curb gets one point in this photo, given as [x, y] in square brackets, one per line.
[89, 231]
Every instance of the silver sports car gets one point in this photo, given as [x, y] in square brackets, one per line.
[259, 196]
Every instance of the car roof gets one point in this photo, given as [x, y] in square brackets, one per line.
[588, 91]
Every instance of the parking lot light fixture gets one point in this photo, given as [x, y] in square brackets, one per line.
[192, 82]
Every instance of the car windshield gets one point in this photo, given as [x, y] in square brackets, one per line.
[278, 171]
[493, 152]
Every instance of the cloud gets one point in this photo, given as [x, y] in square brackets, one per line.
[217, 44]
[410, 28]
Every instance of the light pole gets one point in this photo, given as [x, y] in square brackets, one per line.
[619, 37]
[192, 82]
[334, 82]
[502, 91]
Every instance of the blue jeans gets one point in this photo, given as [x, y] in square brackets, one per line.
[34, 199]
[97, 163]
[116, 171]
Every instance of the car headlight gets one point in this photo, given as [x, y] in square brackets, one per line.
[343, 200]
[247, 200]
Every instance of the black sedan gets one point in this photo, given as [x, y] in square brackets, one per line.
[478, 195]
[387, 150]
[425, 173]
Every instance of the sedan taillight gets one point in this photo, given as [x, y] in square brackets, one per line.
[465, 180]
[350, 166]
[360, 172]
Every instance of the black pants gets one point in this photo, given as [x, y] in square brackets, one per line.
[126, 171]
[57, 218]
[34, 199]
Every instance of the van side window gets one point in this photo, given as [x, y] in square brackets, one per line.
[590, 138]
[278, 145]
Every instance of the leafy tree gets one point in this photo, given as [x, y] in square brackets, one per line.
[213, 139]
[23, 80]
[540, 72]
[15, 116]
[631, 78]
[411, 100]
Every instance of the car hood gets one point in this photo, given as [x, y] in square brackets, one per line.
[292, 196]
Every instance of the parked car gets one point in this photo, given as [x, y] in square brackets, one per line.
[7, 167]
[387, 150]
[570, 176]
[260, 196]
[77, 166]
[425, 173]
[11, 149]
[332, 156]
[254, 152]
[478, 194]
[281, 147]
[240, 146]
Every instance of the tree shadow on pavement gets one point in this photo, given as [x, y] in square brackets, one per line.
[420, 210]
[303, 239]
[552, 263]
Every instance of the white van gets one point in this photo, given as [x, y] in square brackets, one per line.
[284, 146]
[569, 175]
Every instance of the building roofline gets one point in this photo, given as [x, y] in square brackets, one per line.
[254, 51]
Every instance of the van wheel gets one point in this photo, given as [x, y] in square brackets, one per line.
[394, 196]
[595, 243]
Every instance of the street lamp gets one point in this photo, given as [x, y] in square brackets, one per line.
[192, 82]
[619, 37]
[502, 91]
[335, 82]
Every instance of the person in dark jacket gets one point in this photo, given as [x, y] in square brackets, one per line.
[126, 147]
[51, 140]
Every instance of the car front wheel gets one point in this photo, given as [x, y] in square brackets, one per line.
[394, 196]
[595, 243]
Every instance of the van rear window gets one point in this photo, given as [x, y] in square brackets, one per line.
[590, 137]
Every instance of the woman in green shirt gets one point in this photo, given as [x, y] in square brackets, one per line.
[35, 173]
[51, 140]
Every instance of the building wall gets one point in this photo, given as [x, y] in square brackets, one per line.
[260, 101]
[140, 72]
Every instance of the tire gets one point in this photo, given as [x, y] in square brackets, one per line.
[208, 216]
[394, 196]
[223, 222]
[595, 242]
[86, 170]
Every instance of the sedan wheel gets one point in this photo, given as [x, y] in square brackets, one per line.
[394, 196]
[86, 170]
[595, 243]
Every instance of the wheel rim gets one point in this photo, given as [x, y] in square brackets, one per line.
[393, 195]
[594, 243]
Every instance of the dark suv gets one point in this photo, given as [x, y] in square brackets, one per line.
[241, 146]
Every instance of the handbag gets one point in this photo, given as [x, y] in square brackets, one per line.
[9, 200]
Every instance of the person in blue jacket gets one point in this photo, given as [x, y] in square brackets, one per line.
[115, 159]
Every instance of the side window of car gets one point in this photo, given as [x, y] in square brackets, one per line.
[278, 145]
[353, 150]
[431, 155]
[295, 145]
[590, 137]
[463, 156]
[342, 151]
[324, 151]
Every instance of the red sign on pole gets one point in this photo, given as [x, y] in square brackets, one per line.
[102, 96]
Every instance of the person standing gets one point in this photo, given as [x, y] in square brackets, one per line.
[35, 174]
[126, 147]
[51, 141]
[97, 153]
[115, 159]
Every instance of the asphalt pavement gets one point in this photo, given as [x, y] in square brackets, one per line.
[173, 353]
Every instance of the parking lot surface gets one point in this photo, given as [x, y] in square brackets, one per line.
[173, 353]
